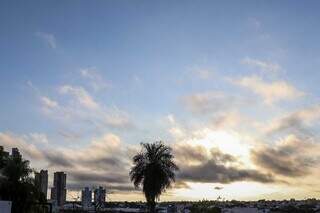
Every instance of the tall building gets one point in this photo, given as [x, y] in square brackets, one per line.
[41, 181]
[4, 153]
[15, 153]
[86, 198]
[58, 191]
[100, 195]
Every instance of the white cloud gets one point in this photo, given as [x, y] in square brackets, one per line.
[48, 103]
[48, 38]
[171, 119]
[209, 102]
[265, 66]
[271, 92]
[81, 108]
[27, 147]
[227, 120]
[38, 138]
[81, 95]
[96, 81]
[175, 129]
[117, 118]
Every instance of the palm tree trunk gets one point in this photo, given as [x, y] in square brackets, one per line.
[152, 206]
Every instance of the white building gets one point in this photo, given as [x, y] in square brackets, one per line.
[5, 206]
[86, 198]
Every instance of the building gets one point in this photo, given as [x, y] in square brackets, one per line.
[86, 198]
[15, 153]
[41, 181]
[99, 196]
[58, 191]
[4, 153]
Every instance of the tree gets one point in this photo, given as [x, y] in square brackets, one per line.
[154, 169]
[16, 184]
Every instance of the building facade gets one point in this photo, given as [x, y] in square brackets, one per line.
[4, 153]
[15, 153]
[99, 196]
[58, 191]
[86, 198]
[41, 181]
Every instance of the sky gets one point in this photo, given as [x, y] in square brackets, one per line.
[231, 86]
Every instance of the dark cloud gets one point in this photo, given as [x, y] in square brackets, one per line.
[218, 188]
[57, 159]
[180, 184]
[185, 153]
[106, 162]
[291, 157]
[102, 177]
[273, 161]
[111, 188]
[214, 167]
[211, 172]
[297, 122]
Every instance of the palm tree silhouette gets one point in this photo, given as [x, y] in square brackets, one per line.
[154, 170]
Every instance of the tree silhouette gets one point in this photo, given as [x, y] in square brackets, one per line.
[154, 169]
[16, 184]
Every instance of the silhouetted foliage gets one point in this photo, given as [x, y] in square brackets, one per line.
[154, 170]
[16, 185]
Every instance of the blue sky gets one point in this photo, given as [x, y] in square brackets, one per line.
[73, 72]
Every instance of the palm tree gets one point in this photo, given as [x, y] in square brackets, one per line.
[154, 169]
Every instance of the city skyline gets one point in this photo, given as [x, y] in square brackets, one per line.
[231, 87]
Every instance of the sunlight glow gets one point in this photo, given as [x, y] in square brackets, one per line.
[227, 142]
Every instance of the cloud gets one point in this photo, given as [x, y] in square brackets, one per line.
[95, 79]
[291, 156]
[48, 38]
[225, 120]
[81, 95]
[57, 159]
[86, 177]
[25, 145]
[82, 108]
[186, 154]
[38, 138]
[271, 92]
[118, 118]
[198, 165]
[106, 160]
[213, 172]
[218, 188]
[209, 102]
[103, 161]
[299, 122]
[69, 135]
[265, 66]
[48, 103]
[176, 131]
